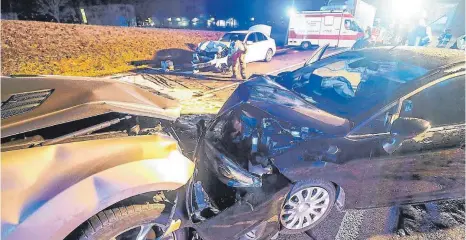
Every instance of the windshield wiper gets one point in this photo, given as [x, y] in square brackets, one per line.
[317, 55]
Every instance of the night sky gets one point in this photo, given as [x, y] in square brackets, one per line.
[240, 9]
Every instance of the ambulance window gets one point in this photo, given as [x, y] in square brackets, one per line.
[347, 24]
[252, 37]
[328, 20]
[352, 25]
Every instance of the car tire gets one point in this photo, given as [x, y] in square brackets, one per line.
[309, 210]
[306, 45]
[269, 55]
[109, 223]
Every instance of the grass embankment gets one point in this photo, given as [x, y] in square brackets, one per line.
[81, 50]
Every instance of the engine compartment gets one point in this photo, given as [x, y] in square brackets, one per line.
[251, 138]
[211, 54]
[235, 160]
[110, 125]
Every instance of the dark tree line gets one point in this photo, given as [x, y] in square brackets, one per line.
[51, 10]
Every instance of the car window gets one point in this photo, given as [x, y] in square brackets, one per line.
[347, 87]
[441, 104]
[252, 37]
[228, 37]
[261, 37]
[379, 123]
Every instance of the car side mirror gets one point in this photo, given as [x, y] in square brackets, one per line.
[403, 129]
[249, 42]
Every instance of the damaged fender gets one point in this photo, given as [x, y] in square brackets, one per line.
[55, 184]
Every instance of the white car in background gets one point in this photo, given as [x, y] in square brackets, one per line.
[260, 46]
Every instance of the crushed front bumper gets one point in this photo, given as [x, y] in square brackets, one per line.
[199, 63]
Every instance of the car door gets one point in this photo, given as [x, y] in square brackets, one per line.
[426, 167]
[264, 44]
[253, 48]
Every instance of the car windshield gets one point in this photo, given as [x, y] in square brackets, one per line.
[228, 37]
[345, 87]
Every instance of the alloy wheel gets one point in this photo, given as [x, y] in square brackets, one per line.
[304, 207]
[269, 55]
[305, 45]
[143, 232]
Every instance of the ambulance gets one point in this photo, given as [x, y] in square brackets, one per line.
[339, 28]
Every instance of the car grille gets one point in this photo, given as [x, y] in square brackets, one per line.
[208, 54]
[23, 102]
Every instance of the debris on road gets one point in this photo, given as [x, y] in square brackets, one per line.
[430, 217]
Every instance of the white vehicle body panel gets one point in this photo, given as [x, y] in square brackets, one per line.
[365, 14]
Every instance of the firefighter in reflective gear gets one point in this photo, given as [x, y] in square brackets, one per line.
[238, 55]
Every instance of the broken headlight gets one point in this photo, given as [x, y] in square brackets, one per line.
[230, 173]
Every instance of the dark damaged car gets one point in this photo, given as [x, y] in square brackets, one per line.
[358, 129]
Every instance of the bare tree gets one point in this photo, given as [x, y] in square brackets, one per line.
[51, 7]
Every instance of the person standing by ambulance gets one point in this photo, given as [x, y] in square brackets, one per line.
[238, 54]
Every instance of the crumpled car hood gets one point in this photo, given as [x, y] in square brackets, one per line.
[73, 98]
[212, 46]
[286, 105]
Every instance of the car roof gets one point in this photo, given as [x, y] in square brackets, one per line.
[425, 57]
[245, 31]
[58, 99]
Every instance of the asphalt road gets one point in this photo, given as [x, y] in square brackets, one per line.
[284, 60]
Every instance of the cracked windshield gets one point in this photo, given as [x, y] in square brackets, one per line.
[233, 119]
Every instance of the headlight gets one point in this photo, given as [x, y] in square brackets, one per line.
[231, 173]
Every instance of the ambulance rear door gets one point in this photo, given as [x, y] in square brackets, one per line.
[330, 29]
